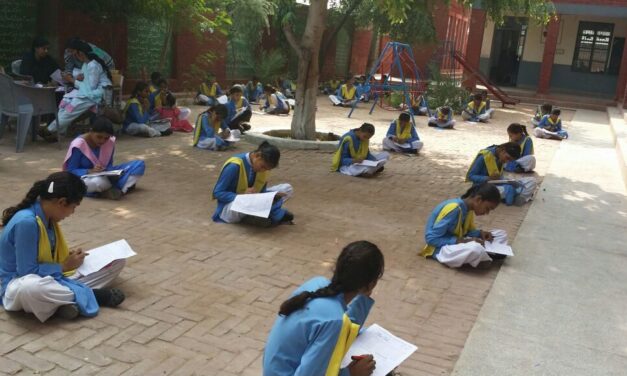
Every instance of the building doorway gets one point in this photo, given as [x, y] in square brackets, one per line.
[507, 51]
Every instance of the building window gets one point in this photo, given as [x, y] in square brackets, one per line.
[593, 47]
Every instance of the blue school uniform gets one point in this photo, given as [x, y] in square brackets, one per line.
[439, 233]
[346, 158]
[304, 342]
[135, 114]
[556, 127]
[475, 112]
[392, 132]
[225, 189]
[19, 254]
[478, 174]
[79, 165]
[207, 131]
[231, 107]
[526, 148]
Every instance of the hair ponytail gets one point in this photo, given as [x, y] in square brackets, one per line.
[516, 128]
[359, 264]
[58, 185]
[485, 191]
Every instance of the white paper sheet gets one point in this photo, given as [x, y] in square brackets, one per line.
[369, 163]
[406, 145]
[232, 138]
[100, 257]
[223, 99]
[106, 173]
[257, 204]
[388, 350]
[56, 77]
[515, 183]
[499, 247]
[239, 112]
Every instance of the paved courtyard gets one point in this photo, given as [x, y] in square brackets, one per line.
[201, 296]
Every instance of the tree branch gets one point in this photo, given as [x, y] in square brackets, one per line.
[291, 39]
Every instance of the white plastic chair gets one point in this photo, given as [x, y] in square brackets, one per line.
[15, 67]
[12, 106]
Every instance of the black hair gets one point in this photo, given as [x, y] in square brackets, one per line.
[155, 76]
[102, 125]
[359, 264]
[85, 48]
[236, 89]
[404, 116]
[367, 128]
[139, 87]
[485, 191]
[39, 41]
[162, 81]
[62, 184]
[269, 153]
[269, 88]
[511, 148]
[220, 110]
[478, 97]
[516, 128]
[556, 111]
[170, 99]
[546, 108]
[72, 42]
[446, 110]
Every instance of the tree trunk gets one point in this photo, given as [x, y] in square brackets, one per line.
[304, 119]
[166, 46]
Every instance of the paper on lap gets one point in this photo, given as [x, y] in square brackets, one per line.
[388, 350]
[406, 145]
[232, 138]
[100, 257]
[56, 76]
[369, 163]
[255, 204]
[499, 246]
[105, 173]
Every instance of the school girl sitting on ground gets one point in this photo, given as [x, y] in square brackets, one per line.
[275, 103]
[239, 110]
[442, 118]
[346, 94]
[476, 110]
[488, 165]
[450, 234]
[37, 269]
[171, 112]
[158, 100]
[253, 90]
[419, 105]
[353, 149]
[543, 109]
[248, 173]
[402, 136]
[320, 321]
[209, 92]
[551, 127]
[211, 130]
[137, 115]
[155, 77]
[91, 153]
[527, 162]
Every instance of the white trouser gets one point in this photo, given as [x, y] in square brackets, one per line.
[97, 183]
[335, 100]
[203, 98]
[543, 133]
[490, 112]
[230, 216]
[528, 162]
[388, 144]
[356, 169]
[131, 181]
[483, 117]
[472, 253]
[184, 114]
[435, 123]
[140, 129]
[43, 295]
[207, 143]
[64, 118]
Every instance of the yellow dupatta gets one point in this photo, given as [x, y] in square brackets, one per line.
[348, 94]
[406, 133]
[490, 163]
[61, 251]
[471, 105]
[362, 153]
[347, 336]
[242, 181]
[460, 228]
[198, 127]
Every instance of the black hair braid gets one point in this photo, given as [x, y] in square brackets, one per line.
[298, 301]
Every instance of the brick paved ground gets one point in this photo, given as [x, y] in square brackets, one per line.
[201, 297]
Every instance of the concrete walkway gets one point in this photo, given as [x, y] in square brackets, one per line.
[559, 307]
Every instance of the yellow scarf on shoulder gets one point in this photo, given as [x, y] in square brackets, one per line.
[61, 251]
[348, 334]
[198, 127]
[362, 153]
[490, 163]
[406, 133]
[348, 94]
[460, 229]
[471, 105]
[242, 181]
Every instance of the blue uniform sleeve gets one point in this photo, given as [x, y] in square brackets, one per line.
[74, 163]
[246, 104]
[370, 157]
[347, 159]
[26, 243]
[441, 233]
[359, 308]
[511, 166]
[224, 125]
[323, 338]
[135, 116]
[391, 130]
[543, 122]
[204, 122]
[473, 233]
[218, 90]
[558, 125]
[527, 150]
[414, 135]
[478, 173]
[226, 186]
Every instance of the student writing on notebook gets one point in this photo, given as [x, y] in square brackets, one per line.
[402, 136]
[353, 149]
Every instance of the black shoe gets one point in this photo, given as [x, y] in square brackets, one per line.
[256, 221]
[379, 170]
[245, 126]
[109, 297]
[167, 132]
[288, 218]
[68, 311]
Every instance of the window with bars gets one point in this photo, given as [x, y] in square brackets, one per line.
[593, 47]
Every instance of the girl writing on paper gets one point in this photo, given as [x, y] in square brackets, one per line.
[488, 166]
[402, 136]
[37, 269]
[527, 162]
[248, 173]
[319, 322]
[353, 149]
[211, 130]
[450, 234]
[137, 115]
[275, 103]
[92, 153]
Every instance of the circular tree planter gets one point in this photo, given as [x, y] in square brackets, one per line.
[282, 139]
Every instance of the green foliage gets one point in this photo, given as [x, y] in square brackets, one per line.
[270, 65]
[250, 18]
[197, 72]
[445, 91]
